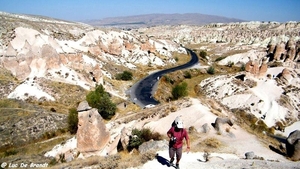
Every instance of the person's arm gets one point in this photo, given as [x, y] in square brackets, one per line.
[169, 133]
[187, 142]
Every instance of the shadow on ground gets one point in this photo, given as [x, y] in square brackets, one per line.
[162, 160]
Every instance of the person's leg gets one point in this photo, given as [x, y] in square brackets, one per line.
[171, 154]
[178, 156]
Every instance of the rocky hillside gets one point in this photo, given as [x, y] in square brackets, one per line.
[48, 66]
[74, 53]
[266, 91]
[53, 63]
[161, 19]
[243, 33]
[269, 53]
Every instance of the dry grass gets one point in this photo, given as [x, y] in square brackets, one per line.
[193, 84]
[44, 145]
[6, 75]
[202, 142]
[10, 109]
[256, 127]
[199, 45]
[32, 152]
[130, 107]
[210, 144]
[217, 50]
[121, 160]
[181, 58]
[67, 96]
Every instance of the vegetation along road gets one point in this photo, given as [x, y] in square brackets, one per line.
[141, 92]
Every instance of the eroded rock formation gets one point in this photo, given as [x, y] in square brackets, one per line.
[220, 123]
[255, 69]
[285, 51]
[293, 145]
[92, 135]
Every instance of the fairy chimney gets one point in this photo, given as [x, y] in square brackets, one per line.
[92, 135]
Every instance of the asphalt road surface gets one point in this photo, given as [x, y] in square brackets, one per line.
[141, 92]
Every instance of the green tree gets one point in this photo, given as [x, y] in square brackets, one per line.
[73, 120]
[100, 100]
[211, 70]
[179, 90]
[203, 54]
[126, 75]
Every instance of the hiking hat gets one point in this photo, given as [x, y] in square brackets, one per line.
[179, 123]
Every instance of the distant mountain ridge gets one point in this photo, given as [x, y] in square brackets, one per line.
[162, 19]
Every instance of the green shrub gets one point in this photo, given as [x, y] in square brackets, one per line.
[138, 137]
[187, 75]
[73, 120]
[203, 54]
[168, 79]
[53, 162]
[243, 67]
[211, 70]
[100, 100]
[49, 134]
[230, 64]
[179, 90]
[10, 152]
[126, 75]
[220, 58]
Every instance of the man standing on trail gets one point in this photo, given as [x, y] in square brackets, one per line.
[176, 135]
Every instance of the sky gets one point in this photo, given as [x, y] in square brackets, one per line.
[80, 10]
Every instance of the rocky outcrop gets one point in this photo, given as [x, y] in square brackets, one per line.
[279, 52]
[290, 50]
[83, 106]
[220, 123]
[285, 51]
[255, 69]
[10, 51]
[115, 47]
[286, 76]
[205, 128]
[92, 135]
[129, 46]
[28, 125]
[124, 139]
[147, 46]
[293, 145]
[153, 146]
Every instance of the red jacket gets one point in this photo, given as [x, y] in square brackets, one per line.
[179, 136]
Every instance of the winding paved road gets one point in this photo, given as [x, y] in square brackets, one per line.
[142, 91]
